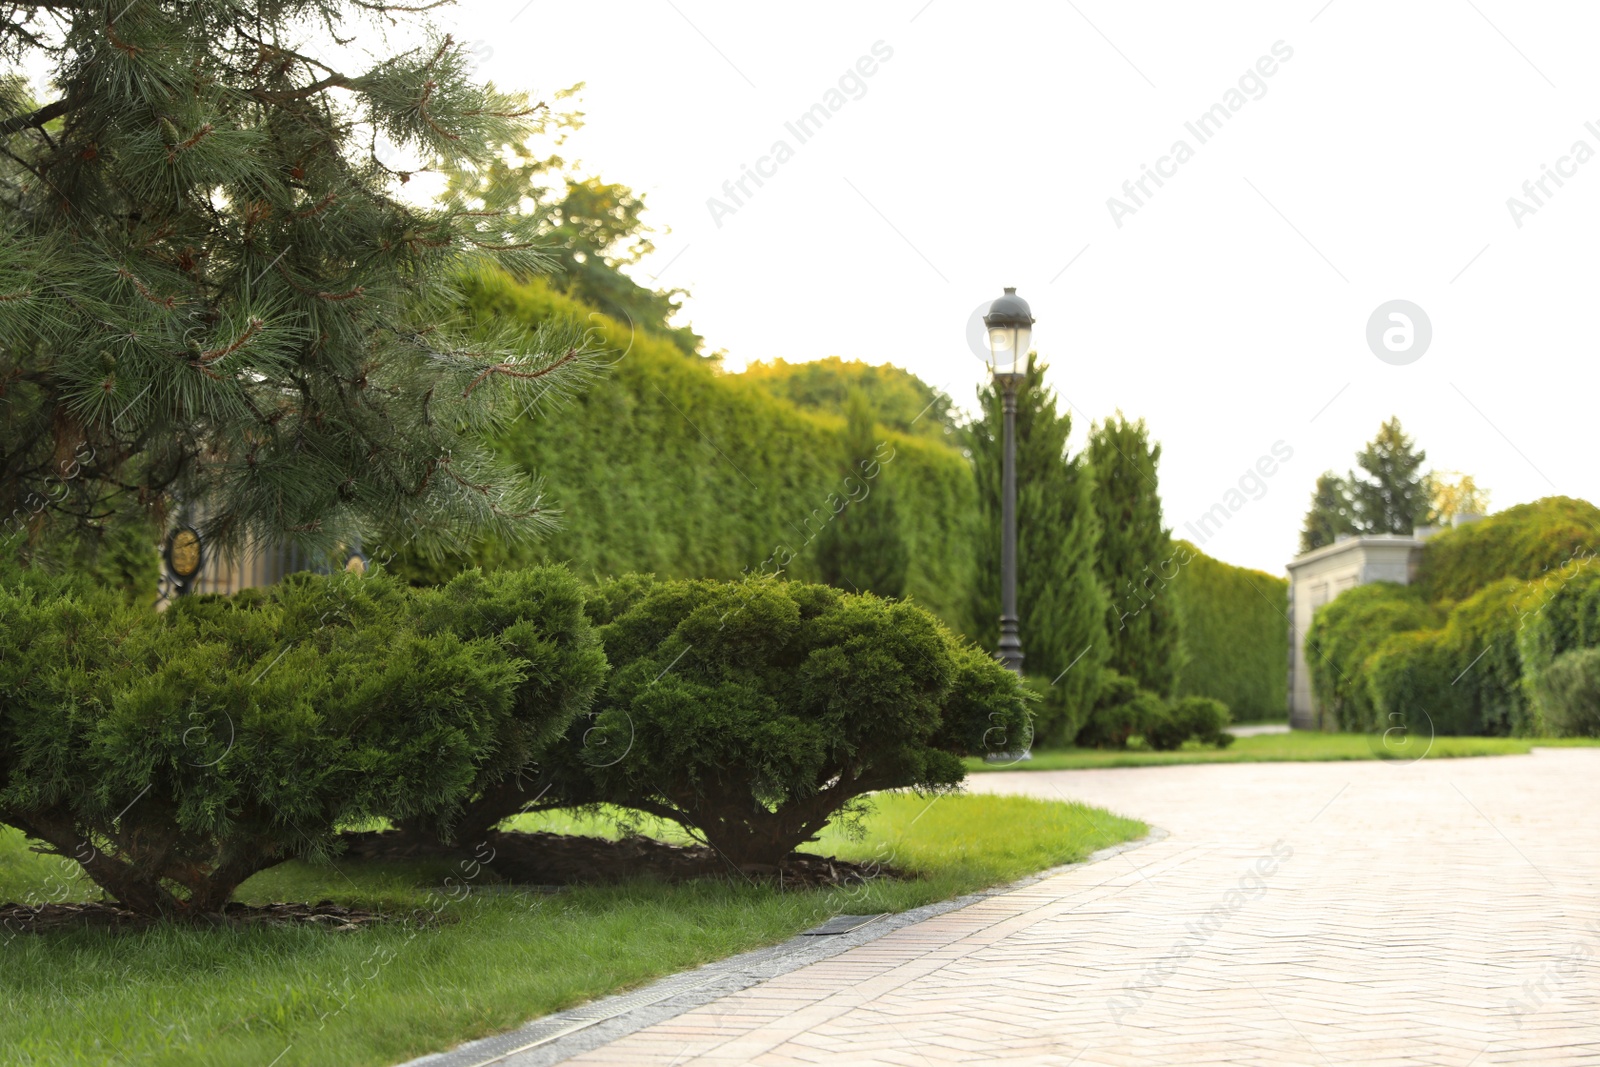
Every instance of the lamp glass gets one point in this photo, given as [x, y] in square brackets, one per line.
[1003, 349]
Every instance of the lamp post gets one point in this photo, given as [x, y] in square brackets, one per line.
[1010, 327]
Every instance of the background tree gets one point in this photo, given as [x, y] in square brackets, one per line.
[1136, 557]
[1331, 513]
[1390, 493]
[1453, 493]
[591, 229]
[863, 549]
[1060, 600]
[211, 296]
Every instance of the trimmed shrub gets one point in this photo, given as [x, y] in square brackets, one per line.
[1121, 711]
[1569, 693]
[1464, 678]
[755, 712]
[1346, 633]
[1560, 614]
[1190, 718]
[1233, 635]
[174, 756]
[1527, 541]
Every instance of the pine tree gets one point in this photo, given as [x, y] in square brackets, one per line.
[1060, 601]
[1137, 558]
[1331, 513]
[862, 549]
[1391, 494]
[212, 295]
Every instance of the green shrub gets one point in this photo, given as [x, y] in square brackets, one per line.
[1121, 711]
[1189, 718]
[1527, 541]
[1569, 693]
[1464, 678]
[755, 712]
[173, 756]
[1233, 635]
[1346, 633]
[1058, 716]
[1561, 613]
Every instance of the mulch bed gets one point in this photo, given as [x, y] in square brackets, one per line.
[568, 859]
[26, 919]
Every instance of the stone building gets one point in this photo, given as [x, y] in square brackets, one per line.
[1322, 574]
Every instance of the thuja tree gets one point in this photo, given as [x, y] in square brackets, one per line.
[1137, 559]
[212, 291]
[863, 548]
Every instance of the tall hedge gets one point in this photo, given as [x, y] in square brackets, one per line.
[673, 467]
[1233, 634]
[1527, 541]
[1346, 634]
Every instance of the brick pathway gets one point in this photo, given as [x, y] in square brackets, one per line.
[1443, 912]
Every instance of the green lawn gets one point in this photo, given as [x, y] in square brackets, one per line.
[1301, 745]
[300, 996]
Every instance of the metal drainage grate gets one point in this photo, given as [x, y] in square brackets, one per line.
[843, 924]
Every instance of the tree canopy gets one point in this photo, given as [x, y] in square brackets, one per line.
[213, 298]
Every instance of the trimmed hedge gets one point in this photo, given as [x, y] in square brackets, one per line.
[1568, 692]
[1464, 678]
[1560, 615]
[708, 475]
[1527, 541]
[1344, 637]
[1233, 635]
[756, 712]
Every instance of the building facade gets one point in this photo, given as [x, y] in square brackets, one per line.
[1322, 574]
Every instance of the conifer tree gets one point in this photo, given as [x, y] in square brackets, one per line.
[1331, 513]
[1391, 494]
[1137, 557]
[213, 295]
[863, 548]
[1060, 601]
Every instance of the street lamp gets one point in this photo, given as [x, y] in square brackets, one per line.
[1010, 327]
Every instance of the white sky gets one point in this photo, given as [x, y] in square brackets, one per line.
[1230, 311]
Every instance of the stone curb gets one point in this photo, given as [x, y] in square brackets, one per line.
[553, 1038]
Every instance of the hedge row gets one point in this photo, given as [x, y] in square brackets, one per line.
[1233, 635]
[175, 755]
[1527, 541]
[1512, 658]
[1347, 633]
[709, 475]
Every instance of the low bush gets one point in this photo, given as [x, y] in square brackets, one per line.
[1121, 711]
[1569, 693]
[754, 713]
[1190, 718]
[173, 756]
[1346, 633]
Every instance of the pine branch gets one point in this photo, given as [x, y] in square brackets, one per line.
[36, 119]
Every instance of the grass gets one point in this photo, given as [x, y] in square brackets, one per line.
[1298, 746]
[287, 997]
